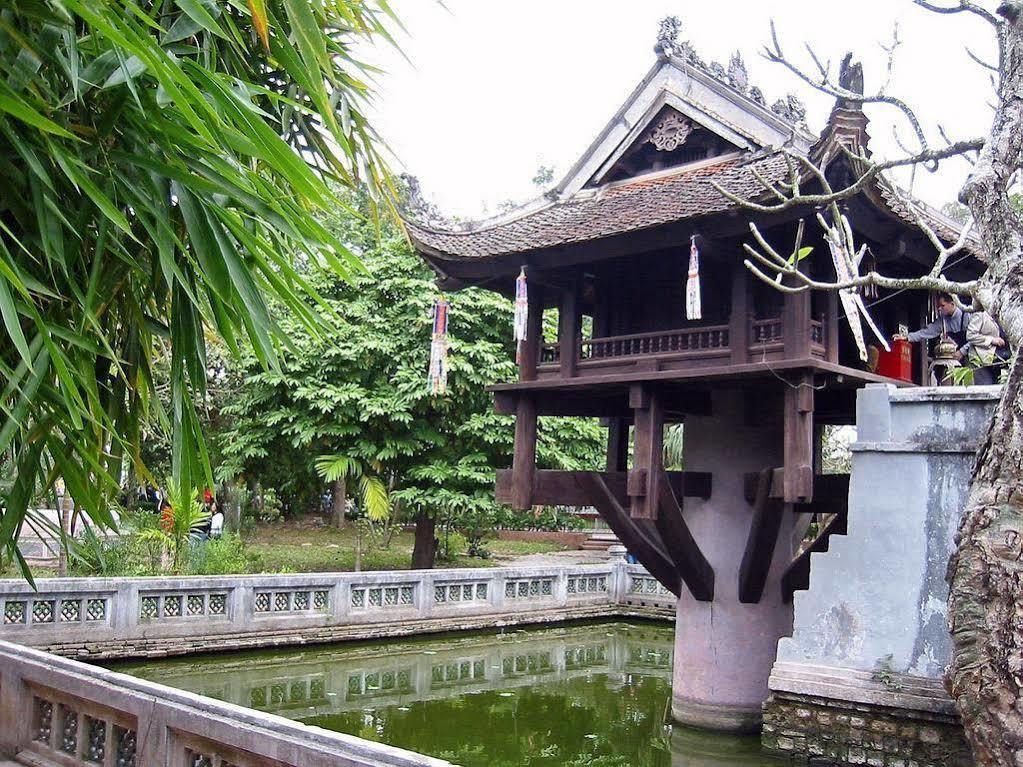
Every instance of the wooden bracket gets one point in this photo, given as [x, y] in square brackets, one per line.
[761, 542]
[693, 568]
[648, 551]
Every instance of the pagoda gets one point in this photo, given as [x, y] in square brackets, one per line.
[754, 381]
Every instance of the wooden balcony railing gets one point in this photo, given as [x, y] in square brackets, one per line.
[670, 342]
[703, 345]
[769, 331]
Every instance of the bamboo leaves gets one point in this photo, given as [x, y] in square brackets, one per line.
[160, 181]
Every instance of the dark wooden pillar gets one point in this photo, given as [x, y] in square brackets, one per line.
[530, 353]
[524, 457]
[618, 444]
[799, 440]
[739, 323]
[648, 451]
[832, 324]
[923, 360]
[568, 331]
[796, 325]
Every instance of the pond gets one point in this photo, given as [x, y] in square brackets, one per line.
[581, 696]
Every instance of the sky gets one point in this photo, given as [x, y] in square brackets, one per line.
[493, 89]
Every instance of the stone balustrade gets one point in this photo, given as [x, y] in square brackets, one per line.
[108, 618]
[57, 711]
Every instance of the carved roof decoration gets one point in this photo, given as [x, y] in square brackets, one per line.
[670, 132]
[679, 99]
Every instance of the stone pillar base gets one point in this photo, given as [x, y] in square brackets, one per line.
[740, 720]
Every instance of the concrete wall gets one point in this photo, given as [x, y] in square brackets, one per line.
[109, 618]
[880, 590]
[859, 680]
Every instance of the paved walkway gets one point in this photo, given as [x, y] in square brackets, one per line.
[557, 558]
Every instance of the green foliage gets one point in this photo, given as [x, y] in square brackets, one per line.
[218, 556]
[375, 500]
[153, 190]
[357, 396]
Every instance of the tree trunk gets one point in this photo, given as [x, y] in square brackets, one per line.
[986, 594]
[985, 574]
[425, 550]
[65, 533]
[338, 500]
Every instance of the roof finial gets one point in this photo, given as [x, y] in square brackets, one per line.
[667, 37]
[738, 77]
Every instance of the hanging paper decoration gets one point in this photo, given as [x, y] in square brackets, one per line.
[694, 310]
[521, 313]
[847, 266]
[438, 374]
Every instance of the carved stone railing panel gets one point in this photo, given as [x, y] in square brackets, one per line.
[43, 609]
[105, 618]
[580, 585]
[461, 593]
[59, 712]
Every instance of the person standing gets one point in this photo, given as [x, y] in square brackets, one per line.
[985, 340]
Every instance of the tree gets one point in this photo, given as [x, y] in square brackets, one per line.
[358, 395]
[163, 163]
[986, 589]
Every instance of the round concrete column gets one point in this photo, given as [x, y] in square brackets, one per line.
[724, 649]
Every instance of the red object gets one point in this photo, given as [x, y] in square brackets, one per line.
[207, 496]
[898, 363]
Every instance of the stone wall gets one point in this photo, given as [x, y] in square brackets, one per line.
[870, 639]
[110, 618]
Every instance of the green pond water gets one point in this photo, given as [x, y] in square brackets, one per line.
[580, 695]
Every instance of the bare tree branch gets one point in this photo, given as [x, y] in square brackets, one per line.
[872, 171]
[965, 6]
[776, 55]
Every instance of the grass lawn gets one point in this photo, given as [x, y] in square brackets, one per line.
[303, 548]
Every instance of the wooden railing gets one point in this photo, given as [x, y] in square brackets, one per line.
[707, 341]
[669, 342]
[817, 332]
[770, 331]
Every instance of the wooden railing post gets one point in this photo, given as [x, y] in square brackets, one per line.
[739, 322]
[524, 457]
[530, 353]
[568, 332]
[831, 325]
[796, 325]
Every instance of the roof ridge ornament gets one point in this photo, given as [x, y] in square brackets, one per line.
[667, 44]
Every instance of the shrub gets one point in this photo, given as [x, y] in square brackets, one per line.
[218, 556]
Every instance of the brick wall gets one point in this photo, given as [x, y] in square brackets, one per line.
[813, 730]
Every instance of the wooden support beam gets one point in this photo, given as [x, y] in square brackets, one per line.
[618, 445]
[692, 567]
[569, 488]
[798, 415]
[649, 552]
[529, 354]
[829, 489]
[761, 542]
[569, 331]
[739, 322]
[524, 457]
[647, 453]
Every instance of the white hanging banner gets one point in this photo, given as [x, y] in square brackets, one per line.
[694, 310]
[521, 313]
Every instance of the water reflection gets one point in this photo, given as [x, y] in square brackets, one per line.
[582, 696]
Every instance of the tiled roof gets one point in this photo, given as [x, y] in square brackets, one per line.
[614, 209]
